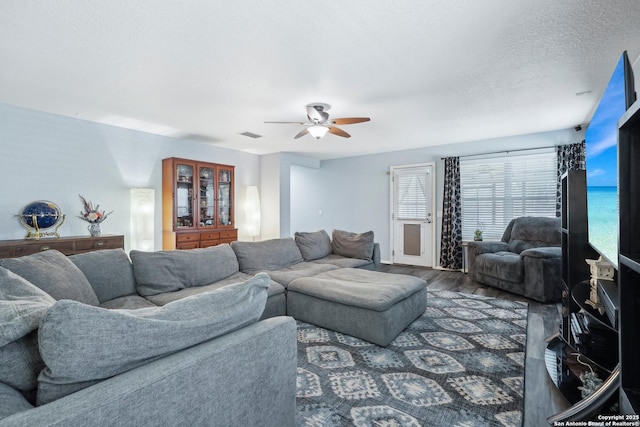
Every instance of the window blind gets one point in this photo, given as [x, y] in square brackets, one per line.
[498, 189]
[412, 188]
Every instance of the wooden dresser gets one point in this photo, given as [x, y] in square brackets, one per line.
[66, 245]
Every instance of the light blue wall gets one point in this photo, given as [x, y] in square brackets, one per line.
[50, 157]
[354, 193]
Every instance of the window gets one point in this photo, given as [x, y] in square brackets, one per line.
[413, 189]
[497, 189]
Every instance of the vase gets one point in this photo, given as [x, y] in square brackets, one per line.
[94, 229]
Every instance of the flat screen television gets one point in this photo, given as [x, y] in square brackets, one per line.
[602, 162]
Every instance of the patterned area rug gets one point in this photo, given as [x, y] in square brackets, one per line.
[459, 364]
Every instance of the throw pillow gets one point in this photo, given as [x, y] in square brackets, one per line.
[353, 245]
[52, 272]
[109, 271]
[22, 306]
[170, 271]
[313, 245]
[81, 344]
[266, 255]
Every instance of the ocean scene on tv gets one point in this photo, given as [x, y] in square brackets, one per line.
[602, 168]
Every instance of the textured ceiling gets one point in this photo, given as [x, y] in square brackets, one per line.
[427, 72]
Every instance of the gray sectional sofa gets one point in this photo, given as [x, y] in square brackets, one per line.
[195, 337]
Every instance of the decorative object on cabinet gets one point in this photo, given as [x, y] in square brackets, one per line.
[93, 216]
[66, 245]
[590, 380]
[39, 216]
[600, 270]
[197, 204]
[477, 235]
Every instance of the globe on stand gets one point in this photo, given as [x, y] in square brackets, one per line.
[39, 216]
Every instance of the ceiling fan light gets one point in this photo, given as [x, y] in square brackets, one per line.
[318, 131]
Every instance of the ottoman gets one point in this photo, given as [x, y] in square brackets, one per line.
[366, 304]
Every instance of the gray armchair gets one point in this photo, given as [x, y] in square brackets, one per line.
[527, 261]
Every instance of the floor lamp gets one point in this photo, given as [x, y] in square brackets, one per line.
[252, 212]
[142, 218]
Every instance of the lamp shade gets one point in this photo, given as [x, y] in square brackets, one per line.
[318, 131]
[252, 211]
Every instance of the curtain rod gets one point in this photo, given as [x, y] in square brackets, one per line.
[509, 151]
[500, 152]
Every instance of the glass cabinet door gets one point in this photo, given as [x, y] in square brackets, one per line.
[225, 177]
[184, 196]
[207, 207]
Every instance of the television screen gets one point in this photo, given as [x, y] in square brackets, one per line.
[602, 166]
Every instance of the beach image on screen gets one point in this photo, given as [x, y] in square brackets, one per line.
[602, 168]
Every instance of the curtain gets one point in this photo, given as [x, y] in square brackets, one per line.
[450, 246]
[570, 157]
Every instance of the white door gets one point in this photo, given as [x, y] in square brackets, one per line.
[412, 215]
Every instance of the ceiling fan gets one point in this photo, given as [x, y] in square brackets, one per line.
[319, 123]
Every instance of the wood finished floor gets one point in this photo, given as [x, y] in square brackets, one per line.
[541, 397]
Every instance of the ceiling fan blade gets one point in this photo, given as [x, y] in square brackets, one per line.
[303, 132]
[339, 132]
[295, 123]
[349, 120]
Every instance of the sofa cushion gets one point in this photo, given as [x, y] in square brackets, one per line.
[301, 269]
[534, 232]
[55, 274]
[170, 271]
[266, 255]
[356, 287]
[82, 345]
[354, 245]
[128, 302]
[313, 245]
[343, 262]
[22, 306]
[167, 297]
[20, 363]
[109, 272]
[12, 401]
[503, 265]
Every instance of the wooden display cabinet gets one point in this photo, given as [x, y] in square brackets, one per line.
[197, 204]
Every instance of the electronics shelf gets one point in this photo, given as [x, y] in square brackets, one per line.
[587, 341]
[629, 259]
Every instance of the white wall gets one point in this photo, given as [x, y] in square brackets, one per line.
[353, 193]
[276, 182]
[49, 157]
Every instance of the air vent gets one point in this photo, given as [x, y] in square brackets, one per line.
[251, 135]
